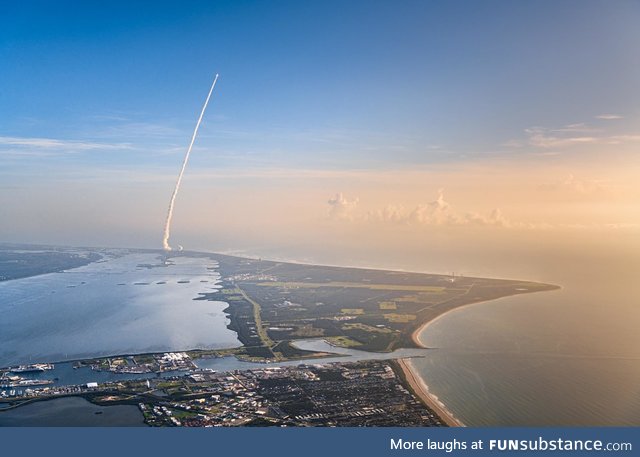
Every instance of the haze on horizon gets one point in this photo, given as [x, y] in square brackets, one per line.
[442, 136]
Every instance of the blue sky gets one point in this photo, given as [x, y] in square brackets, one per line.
[98, 102]
[318, 83]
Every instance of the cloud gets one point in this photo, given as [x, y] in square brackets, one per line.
[619, 139]
[495, 219]
[341, 208]
[439, 213]
[579, 127]
[141, 129]
[512, 144]
[618, 226]
[547, 138]
[577, 185]
[609, 117]
[574, 135]
[51, 144]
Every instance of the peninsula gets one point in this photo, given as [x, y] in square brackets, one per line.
[270, 305]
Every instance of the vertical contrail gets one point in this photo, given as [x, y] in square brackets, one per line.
[167, 226]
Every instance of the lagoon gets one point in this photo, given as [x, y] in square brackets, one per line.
[124, 304]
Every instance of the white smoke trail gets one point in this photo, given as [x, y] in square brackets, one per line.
[167, 226]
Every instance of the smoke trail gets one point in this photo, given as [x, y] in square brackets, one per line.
[167, 226]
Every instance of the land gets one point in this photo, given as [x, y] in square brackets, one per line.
[370, 393]
[270, 306]
[273, 304]
[18, 261]
[141, 363]
[418, 389]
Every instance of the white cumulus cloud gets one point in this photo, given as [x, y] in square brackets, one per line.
[609, 117]
[340, 207]
[438, 212]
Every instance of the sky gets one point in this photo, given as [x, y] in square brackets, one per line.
[373, 133]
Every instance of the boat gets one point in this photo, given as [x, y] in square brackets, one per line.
[27, 383]
[35, 368]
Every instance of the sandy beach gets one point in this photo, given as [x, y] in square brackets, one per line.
[421, 389]
[416, 332]
[419, 385]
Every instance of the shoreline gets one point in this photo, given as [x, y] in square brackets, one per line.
[419, 384]
[424, 325]
[413, 376]
[420, 388]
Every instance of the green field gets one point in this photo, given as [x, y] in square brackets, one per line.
[350, 285]
[343, 342]
[274, 303]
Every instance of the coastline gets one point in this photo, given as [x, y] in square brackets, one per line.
[431, 314]
[421, 390]
[424, 325]
[418, 384]
[416, 332]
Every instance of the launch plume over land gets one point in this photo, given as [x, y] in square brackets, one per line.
[167, 226]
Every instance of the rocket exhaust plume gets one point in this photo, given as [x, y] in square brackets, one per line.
[167, 225]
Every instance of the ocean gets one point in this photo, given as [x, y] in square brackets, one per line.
[569, 357]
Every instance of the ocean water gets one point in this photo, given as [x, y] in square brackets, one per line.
[568, 357]
[122, 305]
[72, 412]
